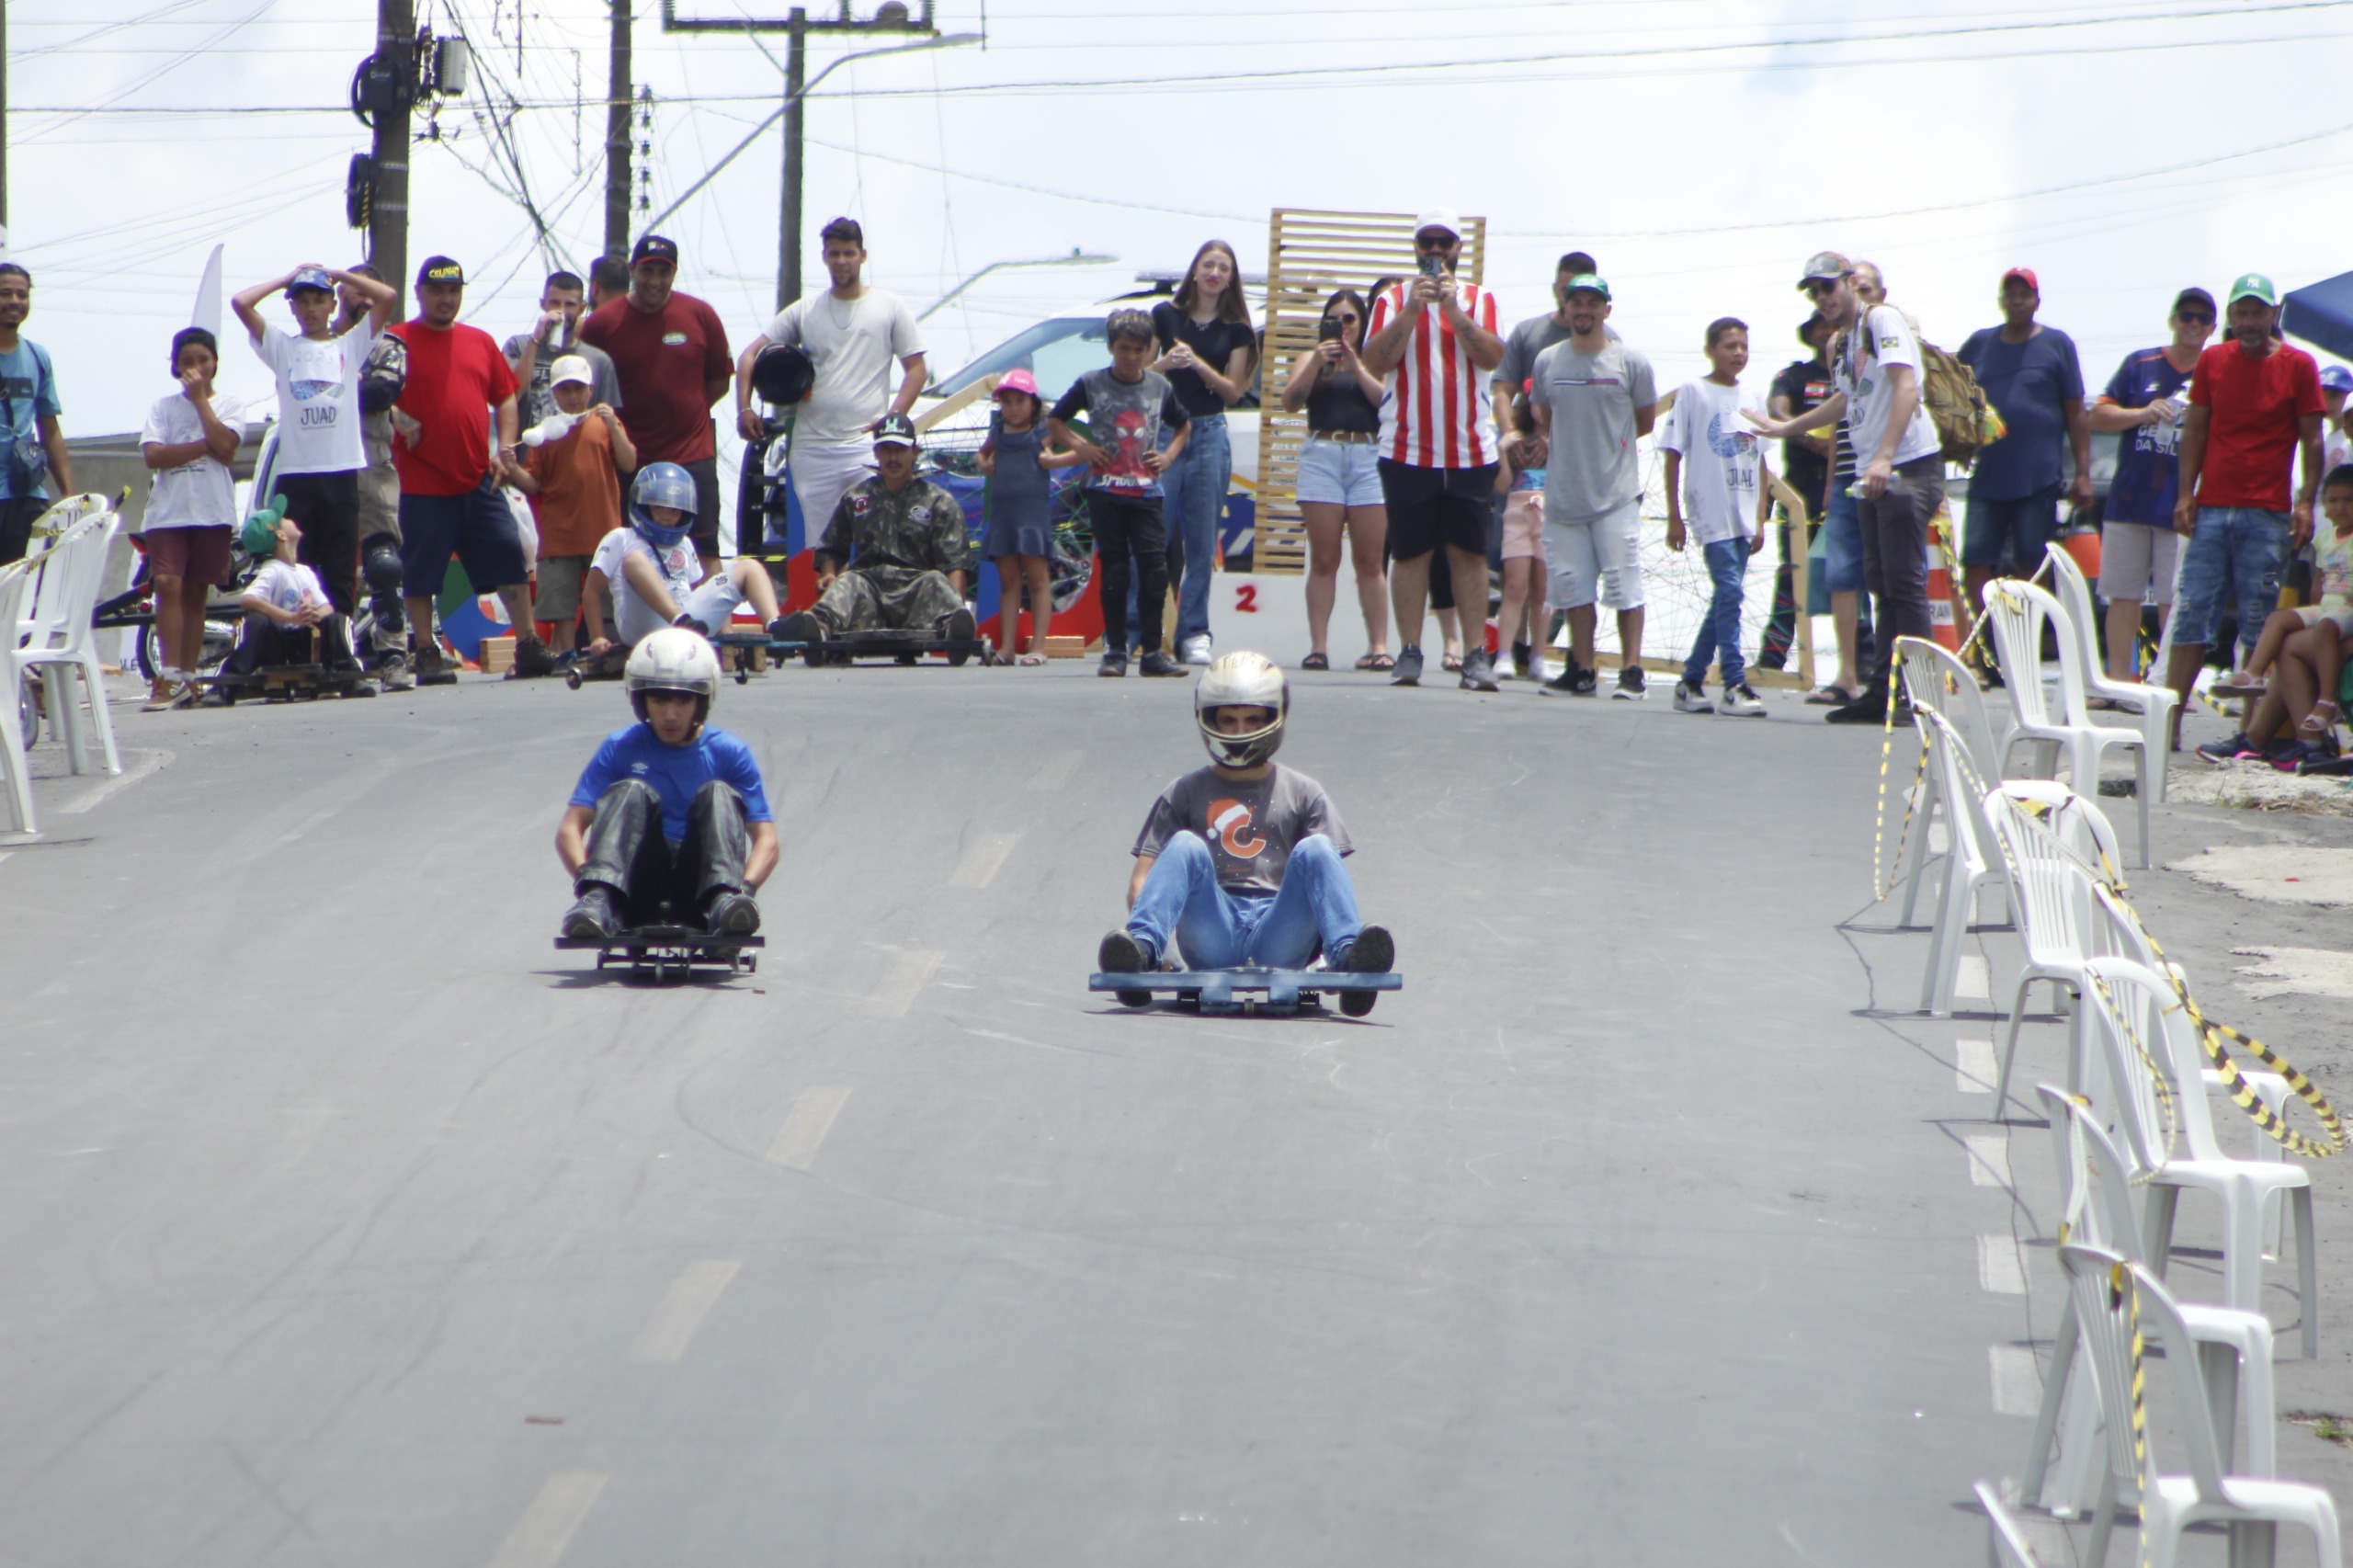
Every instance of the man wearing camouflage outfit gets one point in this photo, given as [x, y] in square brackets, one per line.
[894, 554]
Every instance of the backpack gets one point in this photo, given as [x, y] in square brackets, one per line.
[1965, 420]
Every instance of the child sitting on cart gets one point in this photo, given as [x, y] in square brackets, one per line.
[650, 565]
[669, 824]
[1241, 862]
[289, 619]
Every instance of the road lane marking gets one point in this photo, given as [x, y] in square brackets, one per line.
[1989, 1160]
[136, 765]
[1974, 1066]
[1973, 980]
[1999, 1268]
[540, 1537]
[1054, 772]
[2018, 1381]
[979, 864]
[806, 1126]
[910, 973]
[691, 1296]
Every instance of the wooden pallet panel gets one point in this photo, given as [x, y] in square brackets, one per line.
[1310, 253]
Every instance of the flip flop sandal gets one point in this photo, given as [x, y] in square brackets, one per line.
[1377, 661]
[1827, 697]
[1452, 662]
[1316, 662]
[1032, 659]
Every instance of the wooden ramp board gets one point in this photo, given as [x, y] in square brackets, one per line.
[1310, 253]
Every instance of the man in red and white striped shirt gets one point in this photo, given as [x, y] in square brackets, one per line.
[1433, 343]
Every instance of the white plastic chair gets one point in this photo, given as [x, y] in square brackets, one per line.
[2051, 892]
[2017, 612]
[2095, 1200]
[57, 642]
[2143, 1006]
[2005, 1544]
[2154, 704]
[16, 580]
[1972, 861]
[2110, 1293]
[1936, 680]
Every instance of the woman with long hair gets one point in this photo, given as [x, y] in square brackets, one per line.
[1339, 479]
[1207, 348]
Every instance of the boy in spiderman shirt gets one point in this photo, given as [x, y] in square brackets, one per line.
[1242, 861]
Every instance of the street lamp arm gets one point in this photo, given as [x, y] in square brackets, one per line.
[1074, 259]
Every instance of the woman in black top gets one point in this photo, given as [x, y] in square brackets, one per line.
[1339, 479]
[1207, 348]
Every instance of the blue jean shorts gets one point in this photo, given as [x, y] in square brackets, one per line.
[2010, 533]
[1339, 473]
[477, 527]
[1842, 544]
[2237, 551]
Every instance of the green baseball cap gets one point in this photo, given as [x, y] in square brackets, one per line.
[2254, 286]
[1590, 283]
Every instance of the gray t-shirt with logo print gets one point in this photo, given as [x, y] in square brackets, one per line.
[1593, 469]
[1250, 826]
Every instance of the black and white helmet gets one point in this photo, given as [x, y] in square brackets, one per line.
[673, 659]
[1242, 680]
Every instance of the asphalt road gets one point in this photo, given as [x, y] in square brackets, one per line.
[347, 1223]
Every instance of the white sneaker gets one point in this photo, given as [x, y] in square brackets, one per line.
[1741, 702]
[1194, 650]
[1689, 698]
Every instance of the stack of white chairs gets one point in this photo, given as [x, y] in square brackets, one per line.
[53, 639]
[2153, 704]
[2017, 613]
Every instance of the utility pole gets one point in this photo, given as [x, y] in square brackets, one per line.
[388, 212]
[891, 17]
[617, 163]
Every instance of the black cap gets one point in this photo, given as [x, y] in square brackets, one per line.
[895, 429]
[440, 270]
[2193, 297]
[654, 247]
[1805, 328]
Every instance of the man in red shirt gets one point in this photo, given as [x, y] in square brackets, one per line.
[1434, 343]
[450, 503]
[2253, 401]
[671, 354]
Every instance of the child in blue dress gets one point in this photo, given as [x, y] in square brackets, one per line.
[1021, 537]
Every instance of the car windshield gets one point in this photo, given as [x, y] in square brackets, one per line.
[1057, 352]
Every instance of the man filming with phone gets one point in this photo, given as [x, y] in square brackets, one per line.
[1433, 343]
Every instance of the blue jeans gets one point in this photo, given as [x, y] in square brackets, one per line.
[1218, 929]
[2233, 548]
[1720, 627]
[1195, 487]
[2010, 532]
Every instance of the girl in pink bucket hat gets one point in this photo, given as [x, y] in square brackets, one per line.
[1021, 537]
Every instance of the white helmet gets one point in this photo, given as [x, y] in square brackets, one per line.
[1242, 680]
[673, 659]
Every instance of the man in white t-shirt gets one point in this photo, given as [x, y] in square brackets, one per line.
[851, 333]
[1900, 469]
[320, 451]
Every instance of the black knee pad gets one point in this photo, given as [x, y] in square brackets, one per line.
[380, 563]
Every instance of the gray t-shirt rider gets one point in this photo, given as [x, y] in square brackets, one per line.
[1250, 826]
[1593, 469]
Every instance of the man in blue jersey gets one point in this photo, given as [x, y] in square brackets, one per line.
[669, 824]
[2144, 402]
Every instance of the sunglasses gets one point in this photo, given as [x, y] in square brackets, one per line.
[2195, 318]
[1346, 318]
[1815, 288]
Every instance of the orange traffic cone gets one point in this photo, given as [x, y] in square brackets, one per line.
[1941, 613]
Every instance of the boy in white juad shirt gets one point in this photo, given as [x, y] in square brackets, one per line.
[1715, 466]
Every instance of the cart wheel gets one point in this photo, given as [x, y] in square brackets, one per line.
[572, 677]
[1134, 998]
[813, 656]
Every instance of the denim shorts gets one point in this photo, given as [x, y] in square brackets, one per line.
[2235, 552]
[2010, 533]
[1842, 545]
[477, 527]
[1339, 473]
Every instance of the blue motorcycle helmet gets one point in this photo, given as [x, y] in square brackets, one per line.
[661, 485]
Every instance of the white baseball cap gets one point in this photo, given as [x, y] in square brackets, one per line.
[572, 368]
[1439, 218]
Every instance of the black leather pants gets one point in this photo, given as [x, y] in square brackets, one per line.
[628, 853]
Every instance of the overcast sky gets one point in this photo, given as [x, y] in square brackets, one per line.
[1701, 148]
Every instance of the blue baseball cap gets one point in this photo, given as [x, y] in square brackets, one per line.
[2337, 377]
[310, 277]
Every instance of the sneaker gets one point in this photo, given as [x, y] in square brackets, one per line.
[533, 659]
[2292, 757]
[592, 916]
[1121, 953]
[1479, 671]
[1574, 680]
[433, 668]
[1373, 952]
[799, 627]
[775, 629]
[731, 914]
[959, 626]
[361, 688]
[1520, 653]
[163, 695]
[346, 667]
[1156, 663]
[1632, 685]
[685, 622]
[1113, 667]
[1409, 666]
[1194, 650]
[2232, 750]
[393, 675]
[1741, 702]
[1691, 699]
[1870, 708]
